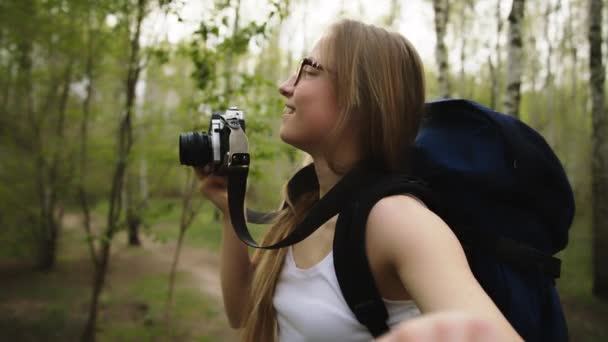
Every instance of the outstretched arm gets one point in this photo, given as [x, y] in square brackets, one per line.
[430, 261]
[443, 326]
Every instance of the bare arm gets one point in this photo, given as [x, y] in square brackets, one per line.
[443, 326]
[236, 273]
[430, 262]
[236, 270]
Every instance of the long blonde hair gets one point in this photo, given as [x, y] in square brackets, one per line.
[379, 82]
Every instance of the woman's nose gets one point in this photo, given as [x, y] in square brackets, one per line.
[286, 88]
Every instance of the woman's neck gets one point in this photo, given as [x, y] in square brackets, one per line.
[342, 162]
[329, 177]
[326, 176]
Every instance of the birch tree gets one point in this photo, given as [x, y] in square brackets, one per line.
[551, 11]
[599, 140]
[514, 58]
[467, 42]
[496, 64]
[441, 10]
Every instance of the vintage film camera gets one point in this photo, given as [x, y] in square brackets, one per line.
[223, 148]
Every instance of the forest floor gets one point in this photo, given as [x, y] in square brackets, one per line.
[52, 306]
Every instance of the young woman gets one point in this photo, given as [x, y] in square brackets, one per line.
[358, 96]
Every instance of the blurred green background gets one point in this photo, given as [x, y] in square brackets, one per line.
[93, 95]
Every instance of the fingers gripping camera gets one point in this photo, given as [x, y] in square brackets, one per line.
[224, 147]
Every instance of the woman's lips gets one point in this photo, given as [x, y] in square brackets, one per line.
[289, 109]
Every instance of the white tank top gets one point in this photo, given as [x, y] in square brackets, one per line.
[310, 305]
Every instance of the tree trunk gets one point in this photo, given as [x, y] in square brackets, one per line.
[54, 181]
[550, 105]
[466, 7]
[133, 223]
[599, 139]
[48, 248]
[229, 61]
[6, 86]
[89, 74]
[514, 58]
[135, 181]
[572, 52]
[98, 283]
[187, 217]
[133, 213]
[496, 66]
[23, 98]
[125, 143]
[441, 54]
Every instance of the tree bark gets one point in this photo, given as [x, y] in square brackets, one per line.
[187, 217]
[441, 9]
[229, 61]
[549, 87]
[495, 67]
[133, 211]
[599, 157]
[467, 7]
[514, 58]
[125, 143]
[84, 138]
[54, 182]
[98, 283]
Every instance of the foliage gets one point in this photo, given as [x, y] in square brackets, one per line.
[232, 59]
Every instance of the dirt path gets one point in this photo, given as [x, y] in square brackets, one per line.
[128, 265]
[202, 264]
[130, 304]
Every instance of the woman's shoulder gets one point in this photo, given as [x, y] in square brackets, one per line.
[396, 207]
[404, 222]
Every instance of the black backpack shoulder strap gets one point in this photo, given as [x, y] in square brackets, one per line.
[350, 259]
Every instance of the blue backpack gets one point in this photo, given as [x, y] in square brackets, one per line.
[501, 189]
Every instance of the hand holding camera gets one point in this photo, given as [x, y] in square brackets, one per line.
[223, 149]
[214, 188]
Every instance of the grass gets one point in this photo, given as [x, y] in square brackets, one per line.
[161, 223]
[42, 306]
[587, 316]
[205, 231]
[143, 312]
[53, 306]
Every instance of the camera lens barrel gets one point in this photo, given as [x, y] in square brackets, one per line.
[195, 149]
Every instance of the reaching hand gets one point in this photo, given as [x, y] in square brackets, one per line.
[443, 327]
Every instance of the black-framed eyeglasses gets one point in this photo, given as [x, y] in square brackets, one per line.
[306, 61]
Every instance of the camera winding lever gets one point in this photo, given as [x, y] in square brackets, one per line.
[238, 153]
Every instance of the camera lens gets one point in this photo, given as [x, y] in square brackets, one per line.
[195, 149]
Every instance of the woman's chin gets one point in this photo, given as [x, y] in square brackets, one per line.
[286, 137]
[291, 140]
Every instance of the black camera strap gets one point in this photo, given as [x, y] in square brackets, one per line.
[327, 207]
[302, 182]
